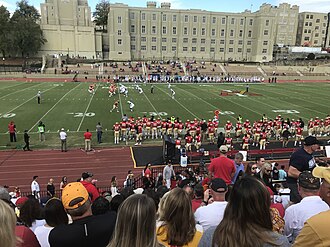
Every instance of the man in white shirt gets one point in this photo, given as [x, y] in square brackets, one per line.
[63, 140]
[35, 188]
[311, 204]
[168, 172]
[212, 214]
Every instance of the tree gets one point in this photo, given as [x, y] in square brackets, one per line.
[4, 30]
[101, 13]
[27, 37]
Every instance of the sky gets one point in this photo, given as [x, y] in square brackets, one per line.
[210, 5]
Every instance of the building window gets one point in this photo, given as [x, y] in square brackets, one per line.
[143, 39]
[305, 31]
[164, 30]
[153, 39]
[306, 38]
[311, 16]
[119, 19]
[231, 49]
[222, 50]
[316, 42]
[204, 19]
[248, 50]
[173, 48]
[174, 17]
[173, 40]
[265, 42]
[153, 48]
[194, 40]
[251, 22]
[153, 29]
[231, 33]
[164, 40]
[202, 49]
[174, 30]
[250, 34]
[119, 32]
[143, 29]
[132, 38]
[249, 42]
[240, 42]
[264, 51]
[213, 32]
[222, 41]
[132, 15]
[212, 49]
[202, 41]
[194, 32]
[185, 40]
[143, 16]
[239, 49]
[120, 41]
[163, 48]
[186, 18]
[223, 20]
[195, 18]
[242, 22]
[132, 29]
[231, 42]
[133, 47]
[267, 22]
[232, 21]
[306, 24]
[212, 41]
[310, 24]
[185, 30]
[185, 48]
[265, 32]
[240, 33]
[316, 35]
[222, 32]
[164, 17]
[143, 47]
[154, 17]
[214, 20]
[193, 49]
[203, 31]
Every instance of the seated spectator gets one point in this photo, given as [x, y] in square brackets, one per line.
[140, 212]
[7, 225]
[86, 229]
[311, 204]
[247, 219]
[87, 178]
[54, 215]
[30, 214]
[316, 229]
[251, 169]
[176, 225]
[211, 214]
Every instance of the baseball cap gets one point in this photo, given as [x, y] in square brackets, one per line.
[74, 195]
[62, 129]
[218, 185]
[85, 175]
[308, 181]
[223, 149]
[322, 172]
[20, 201]
[311, 140]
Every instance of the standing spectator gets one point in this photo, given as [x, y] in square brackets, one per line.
[30, 214]
[35, 188]
[168, 172]
[51, 188]
[12, 131]
[129, 179]
[63, 137]
[88, 140]
[282, 173]
[63, 183]
[239, 166]
[7, 225]
[265, 175]
[212, 214]
[176, 225]
[55, 215]
[324, 173]
[310, 205]
[113, 188]
[86, 229]
[198, 197]
[247, 219]
[260, 161]
[222, 167]
[86, 180]
[140, 211]
[220, 140]
[99, 132]
[39, 97]
[27, 141]
[41, 130]
[301, 160]
[251, 169]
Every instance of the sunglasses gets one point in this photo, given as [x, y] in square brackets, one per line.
[254, 168]
[269, 170]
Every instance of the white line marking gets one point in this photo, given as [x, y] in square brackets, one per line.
[121, 105]
[89, 103]
[53, 106]
[152, 105]
[28, 88]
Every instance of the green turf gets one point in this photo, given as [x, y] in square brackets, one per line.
[69, 105]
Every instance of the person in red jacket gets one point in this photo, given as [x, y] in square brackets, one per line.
[86, 180]
[12, 131]
[88, 140]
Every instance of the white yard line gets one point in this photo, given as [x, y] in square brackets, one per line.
[152, 105]
[121, 105]
[54, 106]
[27, 101]
[20, 90]
[89, 103]
[180, 104]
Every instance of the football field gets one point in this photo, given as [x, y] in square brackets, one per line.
[71, 106]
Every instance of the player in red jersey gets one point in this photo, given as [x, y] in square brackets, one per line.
[327, 126]
[246, 142]
[189, 141]
[228, 128]
[180, 128]
[192, 129]
[132, 131]
[178, 143]
[256, 135]
[164, 127]
[263, 140]
[316, 127]
[198, 141]
[116, 129]
[310, 127]
[154, 134]
[169, 128]
[115, 106]
[299, 135]
[123, 132]
[139, 132]
[211, 131]
[175, 129]
[238, 130]
[229, 142]
[148, 129]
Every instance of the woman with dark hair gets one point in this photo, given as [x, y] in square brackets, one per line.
[113, 188]
[139, 212]
[251, 169]
[63, 183]
[176, 225]
[247, 219]
[116, 201]
[54, 215]
[30, 214]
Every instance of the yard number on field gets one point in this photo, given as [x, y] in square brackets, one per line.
[81, 114]
[7, 115]
[152, 113]
[286, 111]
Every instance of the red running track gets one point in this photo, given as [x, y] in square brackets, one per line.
[18, 167]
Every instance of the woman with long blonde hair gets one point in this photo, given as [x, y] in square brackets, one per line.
[7, 225]
[136, 223]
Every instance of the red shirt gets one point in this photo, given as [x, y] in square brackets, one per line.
[196, 203]
[92, 190]
[222, 167]
[88, 135]
[11, 128]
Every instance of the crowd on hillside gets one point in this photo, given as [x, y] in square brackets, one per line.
[230, 205]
